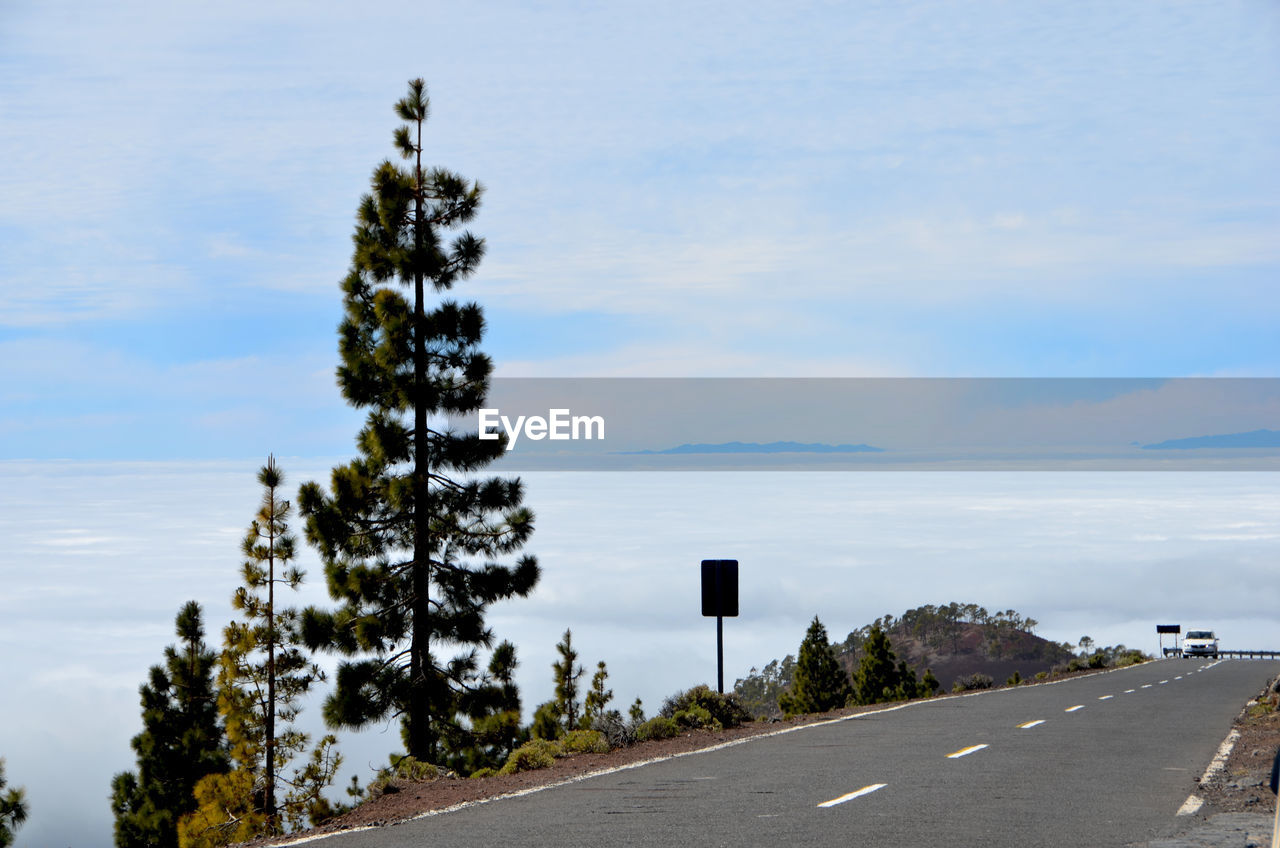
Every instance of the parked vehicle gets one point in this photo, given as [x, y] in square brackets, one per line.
[1200, 643]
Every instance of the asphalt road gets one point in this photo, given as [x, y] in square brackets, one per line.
[1103, 760]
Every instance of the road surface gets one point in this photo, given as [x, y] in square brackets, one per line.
[1102, 760]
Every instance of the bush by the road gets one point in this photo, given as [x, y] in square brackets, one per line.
[701, 707]
[658, 727]
[972, 682]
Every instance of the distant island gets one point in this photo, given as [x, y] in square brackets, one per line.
[756, 447]
[1252, 439]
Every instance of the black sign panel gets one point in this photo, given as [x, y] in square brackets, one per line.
[720, 587]
[1168, 628]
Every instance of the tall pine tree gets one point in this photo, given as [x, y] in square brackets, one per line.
[408, 535]
[180, 743]
[567, 673]
[818, 683]
[262, 676]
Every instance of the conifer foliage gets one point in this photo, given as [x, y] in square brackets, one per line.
[13, 809]
[262, 675]
[494, 709]
[180, 743]
[598, 697]
[881, 676]
[409, 536]
[567, 673]
[819, 683]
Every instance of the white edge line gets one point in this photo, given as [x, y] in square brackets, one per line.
[1191, 806]
[1193, 803]
[849, 796]
[1219, 761]
[602, 772]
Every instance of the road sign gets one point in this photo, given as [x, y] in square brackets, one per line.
[1168, 628]
[720, 587]
[720, 598]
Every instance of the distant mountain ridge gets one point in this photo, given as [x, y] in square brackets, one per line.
[758, 448]
[1252, 439]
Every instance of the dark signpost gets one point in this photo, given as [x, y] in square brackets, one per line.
[1162, 629]
[720, 598]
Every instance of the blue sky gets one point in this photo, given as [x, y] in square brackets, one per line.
[914, 189]
[907, 189]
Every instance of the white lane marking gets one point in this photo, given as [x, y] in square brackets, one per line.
[1179, 677]
[1030, 724]
[1130, 691]
[964, 752]
[866, 790]
[1073, 709]
[1105, 697]
[1162, 682]
[1146, 686]
[1191, 806]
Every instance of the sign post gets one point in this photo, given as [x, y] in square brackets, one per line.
[1175, 629]
[720, 598]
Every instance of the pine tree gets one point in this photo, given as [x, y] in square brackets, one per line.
[567, 673]
[262, 676]
[598, 697]
[180, 743]
[408, 534]
[880, 676]
[13, 809]
[818, 683]
[494, 708]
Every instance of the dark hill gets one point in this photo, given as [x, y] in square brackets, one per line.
[954, 640]
[957, 640]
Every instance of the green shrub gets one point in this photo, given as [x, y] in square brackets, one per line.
[695, 716]
[1098, 660]
[1014, 679]
[584, 742]
[973, 682]
[1076, 664]
[1042, 675]
[658, 727]
[724, 710]
[531, 756]
[401, 768]
[484, 772]
[1130, 657]
[409, 768]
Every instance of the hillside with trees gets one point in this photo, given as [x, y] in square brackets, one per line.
[923, 650]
